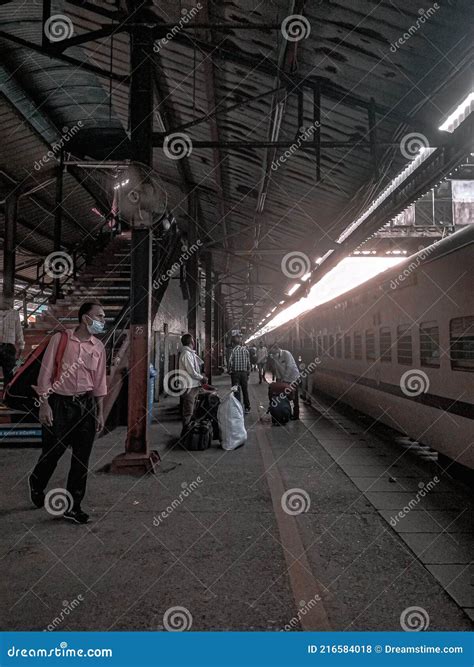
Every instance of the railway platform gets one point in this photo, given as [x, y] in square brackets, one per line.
[323, 524]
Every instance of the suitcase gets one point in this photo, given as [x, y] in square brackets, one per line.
[198, 436]
[280, 410]
[206, 407]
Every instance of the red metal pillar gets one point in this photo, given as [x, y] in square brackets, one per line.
[192, 270]
[208, 318]
[9, 246]
[138, 458]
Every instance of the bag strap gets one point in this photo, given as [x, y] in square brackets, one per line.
[59, 355]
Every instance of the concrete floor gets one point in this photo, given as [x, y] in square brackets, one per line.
[228, 553]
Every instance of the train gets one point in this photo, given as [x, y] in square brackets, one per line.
[400, 347]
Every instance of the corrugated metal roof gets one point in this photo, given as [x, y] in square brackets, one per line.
[349, 51]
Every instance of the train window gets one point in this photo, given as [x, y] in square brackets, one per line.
[385, 340]
[338, 346]
[429, 344]
[369, 344]
[357, 346]
[461, 331]
[347, 346]
[331, 346]
[404, 348]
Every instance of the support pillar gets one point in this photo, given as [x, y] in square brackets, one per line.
[138, 459]
[9, 247]
[217, 346]
[208, 318]
[58, 221]
[192, 271]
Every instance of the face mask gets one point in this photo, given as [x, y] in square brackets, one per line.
[95, 327]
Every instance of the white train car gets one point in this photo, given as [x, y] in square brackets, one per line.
[401, 347]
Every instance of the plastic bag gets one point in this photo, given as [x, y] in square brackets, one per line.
[230, 416]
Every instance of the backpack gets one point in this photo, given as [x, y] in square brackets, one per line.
[19, 393]
[198, 436]
[205, 407]
[280, 410]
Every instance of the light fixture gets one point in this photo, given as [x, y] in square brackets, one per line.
[461, 112]
[306, 276]
[400, 178]
[282, 302]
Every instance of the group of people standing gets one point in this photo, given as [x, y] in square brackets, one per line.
[280, 363]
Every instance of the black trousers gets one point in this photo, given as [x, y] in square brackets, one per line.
[240, 378]
[7, 361]
[74, 425]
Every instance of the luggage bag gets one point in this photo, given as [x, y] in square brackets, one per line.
[198, 436]
[206, 407]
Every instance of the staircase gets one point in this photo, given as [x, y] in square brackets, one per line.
[106, 279]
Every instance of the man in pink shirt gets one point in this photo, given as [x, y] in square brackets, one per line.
[71, 408]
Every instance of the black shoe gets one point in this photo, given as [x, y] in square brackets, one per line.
[78, 516]
[37, 497]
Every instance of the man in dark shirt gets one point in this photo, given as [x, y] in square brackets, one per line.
[239, 369]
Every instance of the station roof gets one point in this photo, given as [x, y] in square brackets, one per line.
[404, 65]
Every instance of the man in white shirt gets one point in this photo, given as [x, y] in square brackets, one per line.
[11, 338]
[262, 354]
[190, 368]
[287, 371]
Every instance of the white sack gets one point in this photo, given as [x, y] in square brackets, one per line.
[230, 416]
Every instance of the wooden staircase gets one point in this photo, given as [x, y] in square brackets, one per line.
[106, 279]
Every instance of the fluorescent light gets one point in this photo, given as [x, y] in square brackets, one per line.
[293, 289]
[459, 114]
[306, 276]
[268, 315]
[273, 309]
[281, 302]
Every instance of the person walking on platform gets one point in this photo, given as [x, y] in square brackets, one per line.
[239, 369]
[287, 371]
[71, 407]
[190, 367]
[11, 338]
[262, 354]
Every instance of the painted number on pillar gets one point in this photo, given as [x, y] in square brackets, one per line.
[138, 331]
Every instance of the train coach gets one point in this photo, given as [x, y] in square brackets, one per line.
[400, 347]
